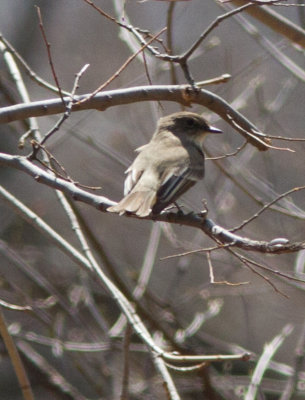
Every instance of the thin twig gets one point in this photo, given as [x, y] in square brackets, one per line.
[234, 153]
[266, 207]
[252, 195]
[248, 134]
[214, 308]
[48, 46]
[246, 262]
[43, 283]
[146, 68]
[54, 166]
[206, 358]
[212, 279]
[17, 363]
[273, 271]
[117, 73]
[144, 276]
[16, 76]
[127, 338]
[169, 24]
[137, 32]
[212, 26]
[214, 81]
[288, 139]
[185, 369]
[41, 82]
[14, 307]
[189, 252]
[69, 105]
[57, 379]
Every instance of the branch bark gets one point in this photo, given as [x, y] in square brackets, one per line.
[182, 94]
[217, 233]
[276, 22]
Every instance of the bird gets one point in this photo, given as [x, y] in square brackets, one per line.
[166, 167]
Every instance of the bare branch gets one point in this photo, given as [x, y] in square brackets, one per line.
[125, 382]
[276, 22]
[199, 221]
[182, 94]
[262, 365]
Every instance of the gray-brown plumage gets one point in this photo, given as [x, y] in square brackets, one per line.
[167, 166]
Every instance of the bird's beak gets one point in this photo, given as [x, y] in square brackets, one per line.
[213, 129]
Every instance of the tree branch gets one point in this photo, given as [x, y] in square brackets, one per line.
[217, 233]
[182, 94]
[276, 22]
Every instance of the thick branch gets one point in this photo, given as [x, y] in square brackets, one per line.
[182, 94]
[199, 221]
[276, 22]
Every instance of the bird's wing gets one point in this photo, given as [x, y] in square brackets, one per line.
[174, 184]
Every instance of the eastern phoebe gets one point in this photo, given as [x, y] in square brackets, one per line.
[166, 167]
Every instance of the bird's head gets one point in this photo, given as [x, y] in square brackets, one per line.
[187, 126]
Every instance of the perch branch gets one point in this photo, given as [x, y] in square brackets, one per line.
[199, 221]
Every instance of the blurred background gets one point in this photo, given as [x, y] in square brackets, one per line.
[72, 314]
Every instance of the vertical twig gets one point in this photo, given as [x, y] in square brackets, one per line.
[48, 46]
[69, 105]
[23, 380]
[169, 24]
[145, 274]
[127, 338]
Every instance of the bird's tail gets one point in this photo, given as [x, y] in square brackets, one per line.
[137, 202]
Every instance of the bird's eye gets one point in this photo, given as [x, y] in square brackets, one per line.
[190, 122]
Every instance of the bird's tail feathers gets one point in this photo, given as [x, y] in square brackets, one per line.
[139, 203]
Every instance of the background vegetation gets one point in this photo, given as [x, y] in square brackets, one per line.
[65, 307]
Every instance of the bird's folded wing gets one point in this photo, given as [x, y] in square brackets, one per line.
[174, 186]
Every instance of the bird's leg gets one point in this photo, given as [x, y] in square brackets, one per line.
[174, 205]
[180, 211]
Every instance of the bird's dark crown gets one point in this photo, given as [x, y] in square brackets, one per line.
[184, 121]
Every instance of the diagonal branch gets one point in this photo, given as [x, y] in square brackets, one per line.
[275, 21]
